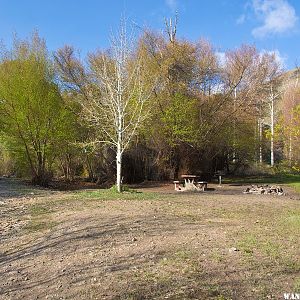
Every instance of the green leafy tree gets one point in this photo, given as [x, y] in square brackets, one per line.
[33, 115]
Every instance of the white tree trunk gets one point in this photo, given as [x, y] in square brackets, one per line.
[119, 169]
[290, 150]
[119, 141]
[234, 128]
[260, 140]
[119, 117]
[272, 130]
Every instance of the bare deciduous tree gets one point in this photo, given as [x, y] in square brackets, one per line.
[114, 91]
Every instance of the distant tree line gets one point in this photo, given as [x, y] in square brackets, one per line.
[150, 107]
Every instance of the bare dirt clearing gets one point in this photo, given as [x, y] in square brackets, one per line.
[157, 244]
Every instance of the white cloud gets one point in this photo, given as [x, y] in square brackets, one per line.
[278, 16]
[241, 19]
[172, 4]
[281, 59]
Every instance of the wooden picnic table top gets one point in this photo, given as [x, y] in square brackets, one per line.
[189, 176]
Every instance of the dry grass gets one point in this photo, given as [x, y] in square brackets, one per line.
[151, 244]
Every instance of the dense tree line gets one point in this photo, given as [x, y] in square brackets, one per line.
[161, 105]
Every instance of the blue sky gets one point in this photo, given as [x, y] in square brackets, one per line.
[271, 25]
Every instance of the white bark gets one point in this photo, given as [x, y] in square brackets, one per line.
[260, 140]
[290, 150]
[234, 128]
[123, 95]
[272, 98]
[272, 127]
[119, 169]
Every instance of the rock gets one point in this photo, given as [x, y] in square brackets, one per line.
[233, 249]
[264, 189]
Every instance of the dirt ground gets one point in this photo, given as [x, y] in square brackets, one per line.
[154, 244]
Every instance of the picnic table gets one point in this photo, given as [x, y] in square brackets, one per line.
[190, 183]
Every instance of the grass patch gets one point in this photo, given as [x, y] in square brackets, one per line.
[216, 256]
[271, 249]
[182, 261]
[190, 217]
[268, 248]
[177, 259]
[297, 285]
[291, 264]
[112, 194]
[275, 243]
[221, 297]
[213, 290]
[289, 224]
[293, 220]
[40, 217]
[37, 225]
[292, 179]
[248, 244]
[296, 186]
[39, 209]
